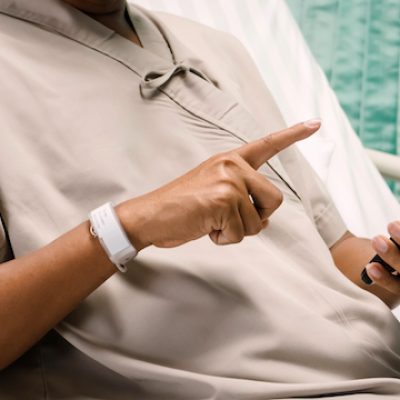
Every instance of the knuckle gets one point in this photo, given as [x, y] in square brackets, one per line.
[226, 177]
[227, 189]
[292, 129]
[277, 197]
[271, 143]
[225, 196]
[226, 159]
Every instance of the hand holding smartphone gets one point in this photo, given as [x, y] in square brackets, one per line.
[364, 274]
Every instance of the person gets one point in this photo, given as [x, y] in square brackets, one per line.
[170, 120]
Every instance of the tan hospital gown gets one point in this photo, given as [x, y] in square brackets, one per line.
[87, 117]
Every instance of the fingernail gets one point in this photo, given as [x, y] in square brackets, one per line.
[380, 244]
[395, 228]
[312, 123]
[374, 273]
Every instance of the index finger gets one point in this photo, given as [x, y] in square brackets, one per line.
[258, 152]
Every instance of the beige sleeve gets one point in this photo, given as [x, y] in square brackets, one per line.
[314, 196]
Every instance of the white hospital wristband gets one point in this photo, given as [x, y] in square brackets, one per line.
[105, 225]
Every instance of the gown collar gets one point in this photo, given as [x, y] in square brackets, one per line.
[63, 19]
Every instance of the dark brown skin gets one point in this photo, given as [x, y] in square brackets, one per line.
[57, 277]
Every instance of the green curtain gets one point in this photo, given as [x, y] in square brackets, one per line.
[357, 43]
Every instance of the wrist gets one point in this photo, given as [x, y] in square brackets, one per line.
[133, 223]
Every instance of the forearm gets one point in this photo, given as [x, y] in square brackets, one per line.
[351, 255]
[40, 289]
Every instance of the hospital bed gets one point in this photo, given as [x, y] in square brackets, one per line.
[270, 33]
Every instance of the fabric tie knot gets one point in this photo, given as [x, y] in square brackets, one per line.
[155, 79]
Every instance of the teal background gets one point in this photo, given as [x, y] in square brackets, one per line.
[357, 43]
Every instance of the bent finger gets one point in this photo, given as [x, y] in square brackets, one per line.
[267, 197]
[251, 219]
[387, 250]
[383, 278]
[232, 230]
